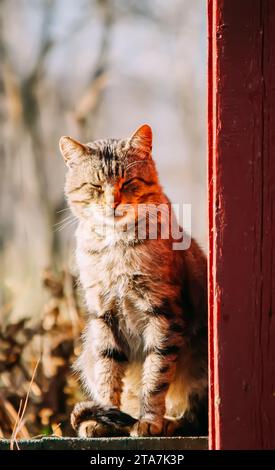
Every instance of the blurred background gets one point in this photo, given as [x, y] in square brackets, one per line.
[90, 69]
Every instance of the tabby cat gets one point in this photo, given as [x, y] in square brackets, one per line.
[144, 358]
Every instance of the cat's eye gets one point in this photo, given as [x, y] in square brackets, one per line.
[131, 184]
[131, 188]
[96, 187]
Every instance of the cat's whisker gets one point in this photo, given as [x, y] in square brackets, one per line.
[63, 210]
[134, 163]
[70, 217]
[66, 224]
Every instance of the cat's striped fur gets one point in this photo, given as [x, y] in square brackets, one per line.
[145, 345]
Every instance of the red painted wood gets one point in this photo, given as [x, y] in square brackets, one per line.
[242, 223]
[210, 224]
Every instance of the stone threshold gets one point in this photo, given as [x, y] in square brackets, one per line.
[111, 443]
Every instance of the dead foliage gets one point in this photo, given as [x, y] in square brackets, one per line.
[37, 385]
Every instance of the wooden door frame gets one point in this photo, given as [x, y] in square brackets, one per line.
[241, 125]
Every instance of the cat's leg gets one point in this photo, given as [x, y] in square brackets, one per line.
[163, 338]
[194, 422]
[104, 362]
[102, 366]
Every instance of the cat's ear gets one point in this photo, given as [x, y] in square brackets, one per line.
[72, 150]
[142, 139]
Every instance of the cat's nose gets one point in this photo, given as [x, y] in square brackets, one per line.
[115, 202]
[114, 199]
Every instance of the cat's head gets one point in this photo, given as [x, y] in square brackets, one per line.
[106, 179]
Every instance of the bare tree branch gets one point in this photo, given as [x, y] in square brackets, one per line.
[90, 101]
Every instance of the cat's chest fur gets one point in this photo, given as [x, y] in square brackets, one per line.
[117, 277]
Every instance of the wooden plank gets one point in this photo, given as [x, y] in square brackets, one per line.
[241, 223]
[112, 443]
[211, 115]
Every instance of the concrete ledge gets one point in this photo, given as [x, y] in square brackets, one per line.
[112, 443]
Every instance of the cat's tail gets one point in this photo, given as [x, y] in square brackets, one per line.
[90, 419]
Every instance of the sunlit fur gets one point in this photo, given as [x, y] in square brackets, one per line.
[145, 345]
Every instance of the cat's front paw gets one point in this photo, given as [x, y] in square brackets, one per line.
[144, 428]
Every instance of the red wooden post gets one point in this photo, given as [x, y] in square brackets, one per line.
[242, 223]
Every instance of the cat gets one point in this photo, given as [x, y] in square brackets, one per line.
[144, 357]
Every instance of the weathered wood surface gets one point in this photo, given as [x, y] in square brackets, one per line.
[242, 223]
[114, 443]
